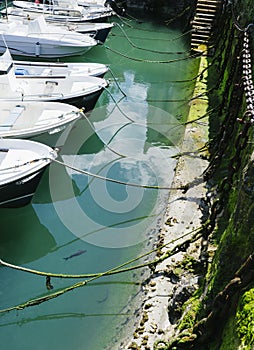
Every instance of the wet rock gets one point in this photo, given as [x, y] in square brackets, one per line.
[134, 346]
[180, 296]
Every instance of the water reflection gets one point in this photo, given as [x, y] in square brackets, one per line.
[105, 213]
[127, 138]
[17, 242]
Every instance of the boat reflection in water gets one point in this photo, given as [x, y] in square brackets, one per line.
[27, 243]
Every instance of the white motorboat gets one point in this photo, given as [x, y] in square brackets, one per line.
[82, 92]
[36, 39]
[98, 31]
[55, 69]
[47, 122]
[115, 6]
[64, 10]
[92, 3]
[22, 163]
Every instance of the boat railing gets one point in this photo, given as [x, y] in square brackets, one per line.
[41, 76]
[49, 94]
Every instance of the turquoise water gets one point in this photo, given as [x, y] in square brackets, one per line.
[130, 136]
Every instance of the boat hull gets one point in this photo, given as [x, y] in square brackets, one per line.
[87, 102]
[102, 34]
[36, 69]
[35, 48]
[98, 31]
[64, 14]
[20, 193]
[55, 138]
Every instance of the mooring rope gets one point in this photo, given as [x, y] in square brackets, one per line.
[187, 8]
[116, 104]
[125, 19]
[115, 80]
[145, 49]
[91, 277]
[87, 173]
[156, 39]
[112, 271]
[235, 21]
[104, 143]
[150, 61]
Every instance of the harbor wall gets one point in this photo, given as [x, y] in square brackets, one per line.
[166, 9]
[219, 312]
[220, 315]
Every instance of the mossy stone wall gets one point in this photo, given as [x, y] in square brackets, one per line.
[230, 179]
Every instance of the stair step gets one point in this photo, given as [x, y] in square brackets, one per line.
[201, 3]
[205, 8]
[202, 22]
[201, 25]
[204, 15]
[197, 20]
[203, 29]
[200, 33]
[205, 19]
[199, 37]
[197, 42]
[214, 3]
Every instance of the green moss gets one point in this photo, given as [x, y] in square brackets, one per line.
[245, 320]
[189, 263]
[191, 309]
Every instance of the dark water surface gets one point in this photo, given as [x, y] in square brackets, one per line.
[130, 136]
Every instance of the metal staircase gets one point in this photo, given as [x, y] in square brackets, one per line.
[203, 22]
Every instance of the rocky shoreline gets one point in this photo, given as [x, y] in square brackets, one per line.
[173, 282]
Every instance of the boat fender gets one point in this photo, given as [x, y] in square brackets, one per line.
[115, 7]
[37, 49]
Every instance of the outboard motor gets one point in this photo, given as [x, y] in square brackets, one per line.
[120, 10]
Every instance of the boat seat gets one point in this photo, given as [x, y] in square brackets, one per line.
[12, 118]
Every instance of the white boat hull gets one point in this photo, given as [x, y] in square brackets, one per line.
[37, 39]
[66, 12]
[40, 47]
[46, 122]
[22, 164]
[81, 91]
[54, 69]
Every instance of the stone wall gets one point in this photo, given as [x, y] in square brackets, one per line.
[224, 317]
[220, 315]
[163, 8]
